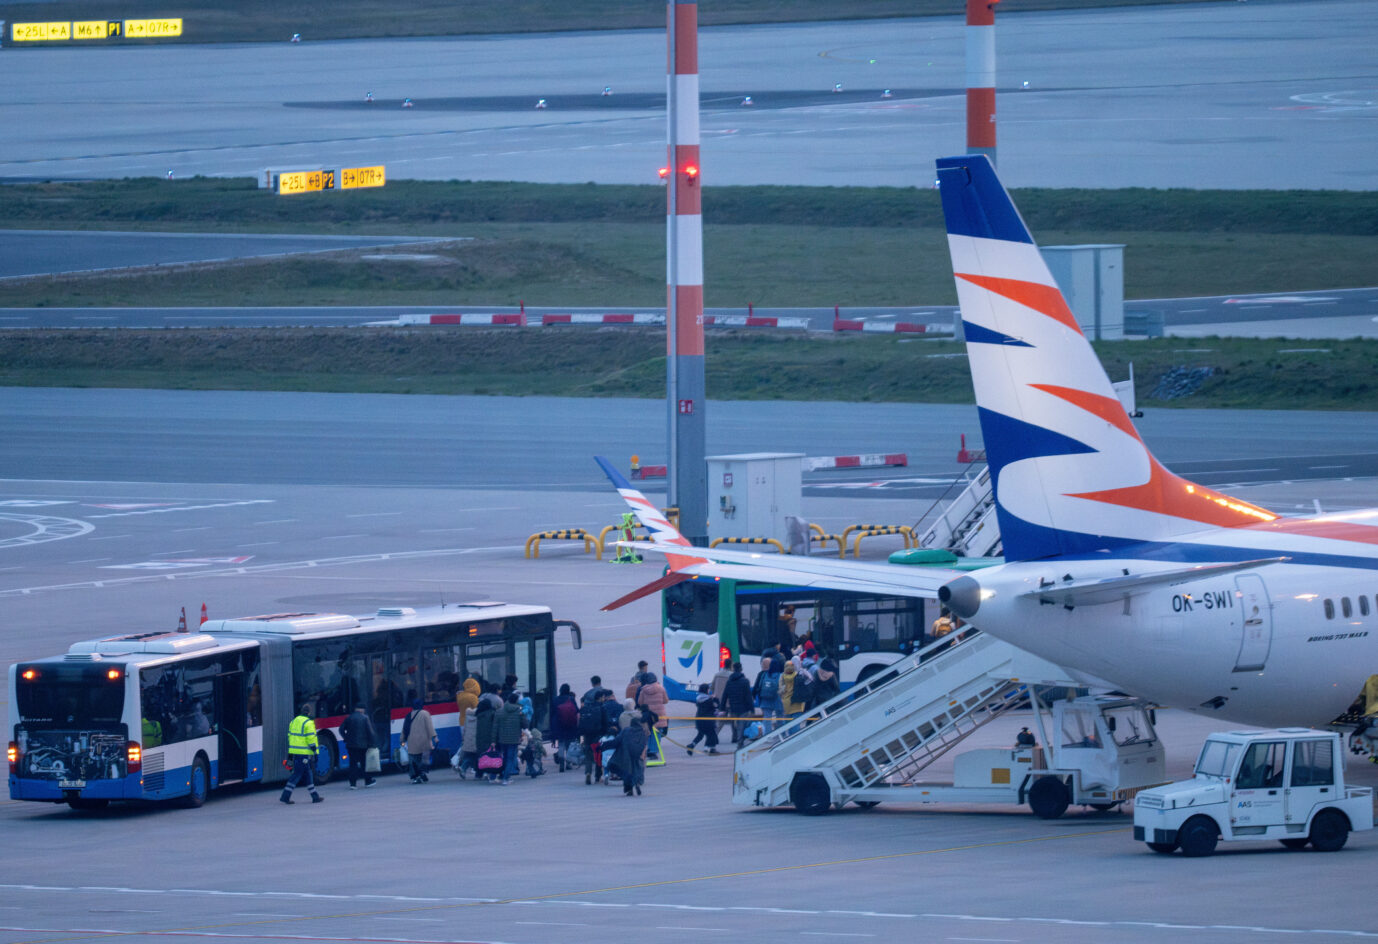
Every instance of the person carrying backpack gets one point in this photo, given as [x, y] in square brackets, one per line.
[767, 692]
[738, 700]
[591, 728]
[564, 723]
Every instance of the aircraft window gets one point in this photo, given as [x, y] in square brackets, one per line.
[1345, 607]
[1329, 609]
[1363, 606]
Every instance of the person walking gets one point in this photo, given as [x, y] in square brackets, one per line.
[564, 723]
[302, 747]
[591, 727]
[705, 721]
[467, 697]
[737, 700]
[630, 756]
[485, 717]
[788, 702]
[359, 738]
[508, 730]
[825, 682]
[637, 681]
[418, 731]
[652, 695]
[767, 692]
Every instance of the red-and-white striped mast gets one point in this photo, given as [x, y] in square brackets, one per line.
[981, 77]
[688, 469]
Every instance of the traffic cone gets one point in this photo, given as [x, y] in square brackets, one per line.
[204, 617]
[182, 621]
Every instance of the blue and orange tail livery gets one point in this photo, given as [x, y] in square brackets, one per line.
[1071, 474]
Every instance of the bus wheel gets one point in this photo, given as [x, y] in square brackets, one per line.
[869, 671]
[1162, 848]
[200, 784]
[810, 794]
[1048, 798]
[1298, 843]
[1329, 830]
[1102, 807]
[1198, 837]
[86, 805]
[327, 758]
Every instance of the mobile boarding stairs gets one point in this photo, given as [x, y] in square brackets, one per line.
[873, 742]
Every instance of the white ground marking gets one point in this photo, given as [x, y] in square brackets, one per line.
[45, 529]
[162, 511]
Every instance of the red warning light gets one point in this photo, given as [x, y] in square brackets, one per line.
[691, 170]
[664, 172]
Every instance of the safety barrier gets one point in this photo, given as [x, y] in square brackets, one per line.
[887, 327]
[873, 530]
[969, 456]
[771, 541]
[869, 461]
[819, 536]
[591, 543]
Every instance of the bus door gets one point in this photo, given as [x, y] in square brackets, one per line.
[531, 665]
[371, 671]
[232, 724]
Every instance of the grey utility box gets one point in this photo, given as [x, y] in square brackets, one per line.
[751, 495]
[1092, 278]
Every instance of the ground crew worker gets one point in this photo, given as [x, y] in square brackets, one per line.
[302, 747]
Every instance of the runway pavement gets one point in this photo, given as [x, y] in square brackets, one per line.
[1271, 95]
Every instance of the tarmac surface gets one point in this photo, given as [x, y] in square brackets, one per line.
[553, 861]
[1263, 94]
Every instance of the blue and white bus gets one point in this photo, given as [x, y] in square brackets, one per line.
[160, 716]
[709, 623]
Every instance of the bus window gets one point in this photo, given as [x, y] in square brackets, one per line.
[755, 620]
[441, 667]
[691, 606]
[487, 660]
[196, 699]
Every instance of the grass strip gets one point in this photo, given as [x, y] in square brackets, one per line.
[630, 362]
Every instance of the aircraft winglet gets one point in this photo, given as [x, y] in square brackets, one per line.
[651, 517]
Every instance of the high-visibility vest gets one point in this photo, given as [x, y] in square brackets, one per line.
[301, 736]
[153, 733]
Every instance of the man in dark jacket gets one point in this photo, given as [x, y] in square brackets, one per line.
[737, 699]
[358, 737]
[507, 725]
[592, 724]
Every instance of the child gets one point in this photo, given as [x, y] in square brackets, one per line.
[533, 752]
[706, 710]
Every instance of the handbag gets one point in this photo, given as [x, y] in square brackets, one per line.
[490, 759]
[403, 757]
[372, 761]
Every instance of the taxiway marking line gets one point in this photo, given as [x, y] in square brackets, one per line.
[221, 927]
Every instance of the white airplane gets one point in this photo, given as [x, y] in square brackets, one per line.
[1127, 575]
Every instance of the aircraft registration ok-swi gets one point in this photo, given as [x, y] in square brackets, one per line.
[1116, 569]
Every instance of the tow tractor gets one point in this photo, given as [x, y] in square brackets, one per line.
[1286, 784]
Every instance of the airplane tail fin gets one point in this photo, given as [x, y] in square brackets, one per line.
[1070, 473]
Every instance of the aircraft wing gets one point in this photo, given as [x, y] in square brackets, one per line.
[1110, 589]
[863, 577]
[688, 561]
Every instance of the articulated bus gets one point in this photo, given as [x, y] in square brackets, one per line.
[708, 623]
[159, 716]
